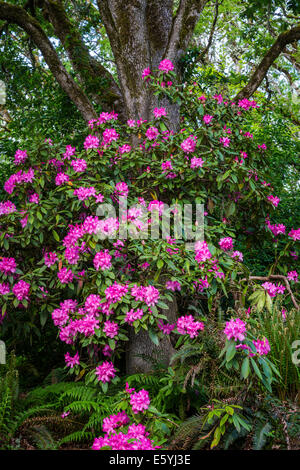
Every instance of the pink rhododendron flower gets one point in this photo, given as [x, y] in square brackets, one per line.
[84, 193]
[173, 285]
[34, 198]
[72, 361]
[107, 351]
[102, 260]
[139, 401]
[121, 190]
[189, 144]
[50, 259]
[7, 207]
[105, 372]
[78, 165]
[273, 289]
[226, 243]
[274, 200]
[276, 229]
[295, 234]
[91, 142]
[21, 290]
[65, 276]
[207, 118]
[225, 141]
[92, 303]
[150, 295]
[237, 255]
[110, 329]
[8, 265]
[197, 162]
[133, 315]
[110, 135]
[235, 329]
[159, 112]
[20, 156]
[166, 328]
[115, 292]
[61, 178]
[4, 288]
[262, 346]
[146, 72]
[115, 421]
[219, 98]
[70, 151]
[202, 252]
[152, 133]
[292, 276]
[166, 66]
[186, 325]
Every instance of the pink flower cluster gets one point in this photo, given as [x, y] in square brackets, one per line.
[50, 259]
[152, 133]
[91, 142]
[18, 178]
[115, 421]
[61, 178]
[102, 260]
[4, 288]
[273, 289]
[262, 346]
[226, 244]
[149, 294]
[295, 234]
[8, 265]
[110, 329]
[292, 276]
[136, 438]
[7, 207]
[110, 135]
[72, 361]
[21, 290]
[78, 165]
[166, 66]
[189, 144]
[159, 112]
[133, 315]
[186, 325]
[20, 156]
[235, 329]
[65, 276]
[202, 252]
[276, 229]
[105, 372]
[274, 200]
[197, 162]
[140, 401]
[173, 285]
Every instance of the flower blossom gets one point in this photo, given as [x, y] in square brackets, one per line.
[235, 329]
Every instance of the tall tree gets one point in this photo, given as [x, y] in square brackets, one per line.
[141, 33]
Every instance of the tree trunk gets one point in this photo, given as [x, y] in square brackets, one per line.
[139, 36]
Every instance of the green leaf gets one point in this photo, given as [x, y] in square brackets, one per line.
[245, 368]
[153, 336]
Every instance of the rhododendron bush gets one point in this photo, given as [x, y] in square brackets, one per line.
[77, 250]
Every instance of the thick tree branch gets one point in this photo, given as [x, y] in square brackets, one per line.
[92, 74]
[184, 23]
[273, 53]
[273, 277]
[204, 53]
[17, 15]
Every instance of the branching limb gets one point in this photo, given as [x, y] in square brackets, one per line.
[273, 53]
[17, 15]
